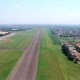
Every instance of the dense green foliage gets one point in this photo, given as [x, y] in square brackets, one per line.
[77, 48]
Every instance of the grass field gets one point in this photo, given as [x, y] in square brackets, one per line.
[71, 40]
[53, 64]
[21, 40]
[11, 49]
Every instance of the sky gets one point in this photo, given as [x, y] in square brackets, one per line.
[39, 11]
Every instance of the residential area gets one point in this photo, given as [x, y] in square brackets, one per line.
[70, 41]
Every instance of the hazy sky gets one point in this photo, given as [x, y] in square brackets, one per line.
[39, 11]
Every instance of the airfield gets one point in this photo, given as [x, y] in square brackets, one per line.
[35, 55]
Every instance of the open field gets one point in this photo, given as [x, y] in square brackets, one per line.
[8, 59]
[53, 64]
[26, 68]
[21, 40]
[11, 49]
[71, 40]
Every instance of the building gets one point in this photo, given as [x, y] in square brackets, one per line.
[71, 52]
[3, 33]
[77, 46]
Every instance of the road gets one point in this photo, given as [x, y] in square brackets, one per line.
[26, 67]
[7, 36]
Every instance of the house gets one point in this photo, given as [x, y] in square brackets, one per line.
[3, 33]
[77, 46]
[71, 52]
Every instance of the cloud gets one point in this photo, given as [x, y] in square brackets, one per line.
[18, 5]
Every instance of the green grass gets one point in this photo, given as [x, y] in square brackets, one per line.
[70, 40]
[8, 58]
[20, 40]
[53, 64]
[16, 45]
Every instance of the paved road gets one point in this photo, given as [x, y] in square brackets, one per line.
[26, 68]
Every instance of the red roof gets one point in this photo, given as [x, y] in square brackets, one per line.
[66, 44]
[78, 44]
[78, 56]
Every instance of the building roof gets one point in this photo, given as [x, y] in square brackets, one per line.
[78, 44]
[66, 43]
[77, 54]
[1, 32]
